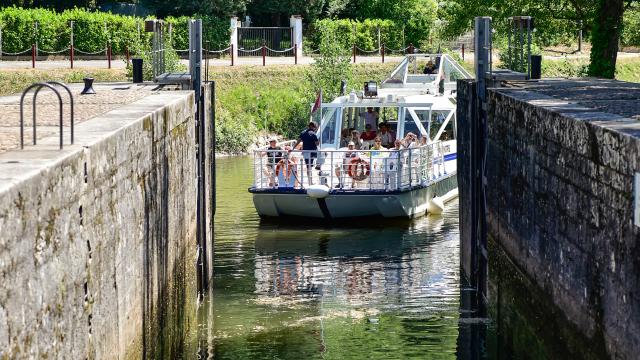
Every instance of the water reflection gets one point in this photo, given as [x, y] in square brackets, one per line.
[369, 288]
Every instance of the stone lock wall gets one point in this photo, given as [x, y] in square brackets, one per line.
[97, 241]
[560, 203]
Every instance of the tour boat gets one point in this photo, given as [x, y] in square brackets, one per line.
[410, 181]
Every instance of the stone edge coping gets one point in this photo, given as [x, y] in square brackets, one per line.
[16, 166]
[573, 110]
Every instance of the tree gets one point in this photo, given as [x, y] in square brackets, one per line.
[605, 37]
[164, 8]
[277, 12]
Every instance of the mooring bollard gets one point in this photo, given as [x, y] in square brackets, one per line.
[33, 56]
[137, 70]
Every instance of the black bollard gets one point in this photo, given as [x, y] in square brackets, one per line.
[88, 87]
[536, 66]
[137, 70]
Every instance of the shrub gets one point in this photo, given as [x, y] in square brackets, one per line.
[363, 34]
[94, 29]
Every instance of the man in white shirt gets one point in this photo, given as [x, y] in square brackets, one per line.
[370, 117]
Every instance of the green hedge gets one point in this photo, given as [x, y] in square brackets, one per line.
[364, 34]
[216, 31]
[90, 32]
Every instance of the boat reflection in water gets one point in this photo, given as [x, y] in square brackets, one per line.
[387, 287]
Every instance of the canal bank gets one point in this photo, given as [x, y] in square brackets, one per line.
[98, 239]
[561, 156]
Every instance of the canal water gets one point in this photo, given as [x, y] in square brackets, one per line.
[360, 289]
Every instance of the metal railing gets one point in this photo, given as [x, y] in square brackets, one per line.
[349, 170]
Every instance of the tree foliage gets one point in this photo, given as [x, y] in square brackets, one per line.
[333, 64]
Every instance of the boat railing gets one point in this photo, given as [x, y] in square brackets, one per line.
[350, 170]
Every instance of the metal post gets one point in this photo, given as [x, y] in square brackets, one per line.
[528, 47]
[264, 53]
[35, 36]
[109, 56]
[382, 53]
[0, 42]
[231, 52]
[354, 53]
[379, 43]
[462, 51]
[33, 56]
[411, 49]
[71, 45]
[126, 54]
[295, 53]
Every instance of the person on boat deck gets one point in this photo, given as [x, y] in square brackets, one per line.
[410, 141]
[348, 155]
[274, 155]
[377, 144]
[370, 117]
[355, 137]
[386, 135]
[367, 136]
[430, 68]
[310, 143]
[345, 137]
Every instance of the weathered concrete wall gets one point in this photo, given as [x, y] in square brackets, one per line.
[97, 241]
[560, 201]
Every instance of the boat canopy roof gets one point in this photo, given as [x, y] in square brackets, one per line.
[425, 71]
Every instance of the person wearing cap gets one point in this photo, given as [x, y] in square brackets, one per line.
[274, 155]
[348, 155]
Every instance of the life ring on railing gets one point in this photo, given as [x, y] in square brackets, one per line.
[289, 165]
[358, 169]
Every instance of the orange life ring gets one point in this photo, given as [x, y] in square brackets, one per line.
[358, 169]
[289, 165]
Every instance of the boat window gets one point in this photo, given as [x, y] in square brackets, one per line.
[437, 119]
[451, 73]
[449, 132]
[328, 127]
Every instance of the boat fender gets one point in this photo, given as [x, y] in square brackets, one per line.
[318, 191]
[435, 206]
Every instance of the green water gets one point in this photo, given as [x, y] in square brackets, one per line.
[369, 289]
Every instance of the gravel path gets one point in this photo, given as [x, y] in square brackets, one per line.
[109, 96]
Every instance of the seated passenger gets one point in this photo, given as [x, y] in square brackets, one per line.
[386, 135]
[377, 144]
[345, 137]
[367, 136]
[410, 141]
[346, 159]
[430, 68]
[355, 138]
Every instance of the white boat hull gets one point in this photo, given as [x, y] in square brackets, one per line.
[344, 204]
